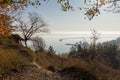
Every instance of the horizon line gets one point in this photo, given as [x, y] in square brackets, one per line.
[84, 32]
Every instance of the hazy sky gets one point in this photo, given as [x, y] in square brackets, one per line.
[73, 21]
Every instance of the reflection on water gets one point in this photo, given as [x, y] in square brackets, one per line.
[59, 45]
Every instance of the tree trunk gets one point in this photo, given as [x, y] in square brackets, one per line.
[26, 43]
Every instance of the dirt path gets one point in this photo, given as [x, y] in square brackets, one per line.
[39, 67]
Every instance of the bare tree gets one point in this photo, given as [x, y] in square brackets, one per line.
[95, 37]
[33, 24]
[38, 44]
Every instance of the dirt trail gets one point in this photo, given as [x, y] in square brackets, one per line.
[39, 67]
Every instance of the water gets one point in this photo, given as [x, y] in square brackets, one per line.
[59, 41]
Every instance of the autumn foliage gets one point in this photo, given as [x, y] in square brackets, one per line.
[9, 6]
[5, 7]
[6, 3]
[4, 25]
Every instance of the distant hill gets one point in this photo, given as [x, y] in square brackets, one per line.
[115, 41]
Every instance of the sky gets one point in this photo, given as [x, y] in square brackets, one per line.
[73, 21]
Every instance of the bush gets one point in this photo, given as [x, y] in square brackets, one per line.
[51, 68]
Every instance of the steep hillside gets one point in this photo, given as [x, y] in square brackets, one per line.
[20, 63]
[13, 55]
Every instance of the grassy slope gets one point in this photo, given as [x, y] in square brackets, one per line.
[46, 59]
[72, 65]
[13, 55]
[95, 69]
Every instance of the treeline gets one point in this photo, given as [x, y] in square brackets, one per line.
[107, 53]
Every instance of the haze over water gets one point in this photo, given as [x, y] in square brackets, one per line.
[61, 47]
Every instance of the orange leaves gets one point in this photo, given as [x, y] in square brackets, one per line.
[25, 1]
[4, 27]
[5, 31]
[9, 6]
[6, 9]
[4, 17]
[5, 3]
[17, 4]
[12, 3]
[1, 0]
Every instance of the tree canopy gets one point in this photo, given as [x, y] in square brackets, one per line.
[91, 8]
[4, 23]
[29, 27]
[7, 7]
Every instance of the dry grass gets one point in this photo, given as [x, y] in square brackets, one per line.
[102, 72]
[45, 59]
[75, 62]
[9, 60]
[13, 55]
